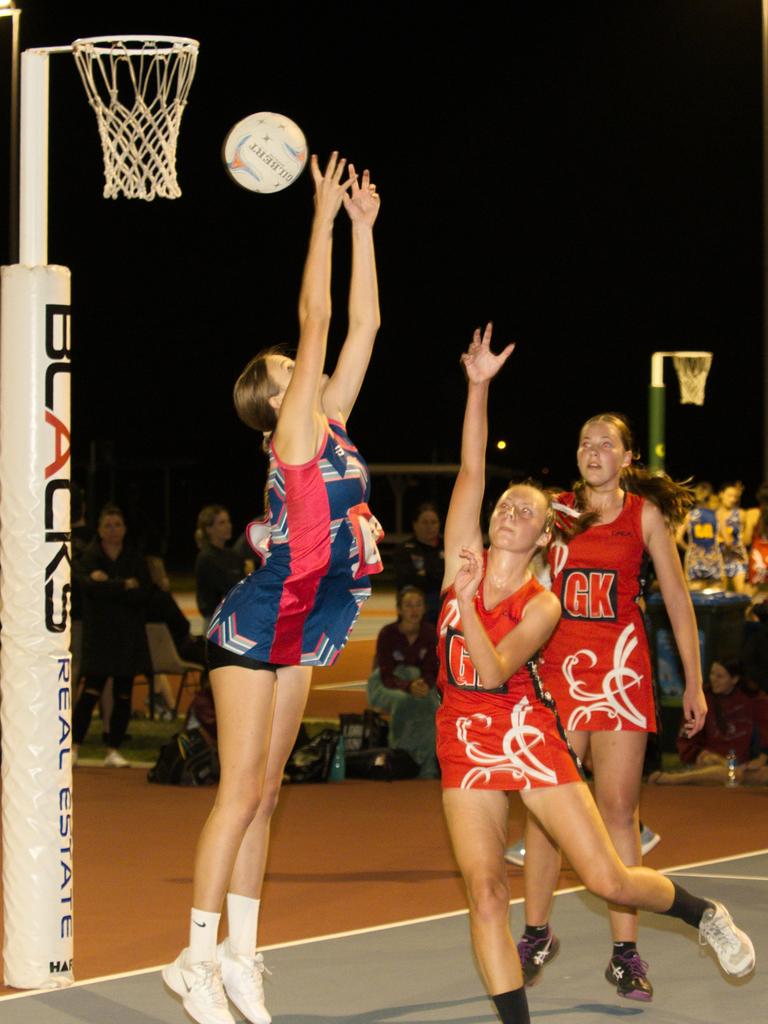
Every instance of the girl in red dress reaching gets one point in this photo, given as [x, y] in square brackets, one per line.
[497, 728]
[597, 667]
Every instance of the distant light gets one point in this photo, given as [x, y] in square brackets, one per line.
[545, 470]
[501, 445]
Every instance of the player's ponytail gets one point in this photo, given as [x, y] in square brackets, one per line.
[672, 498]
[253, 390]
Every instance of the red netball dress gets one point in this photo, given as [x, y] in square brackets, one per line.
[507, 738]
[596, 664]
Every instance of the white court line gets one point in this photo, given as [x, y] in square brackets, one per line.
[355, 684]
[732, 878]
[384, 927]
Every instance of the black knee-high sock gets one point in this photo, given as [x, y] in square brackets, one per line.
[512, 1007]
[687, 907]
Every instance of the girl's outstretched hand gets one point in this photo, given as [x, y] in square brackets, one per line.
[480, 364]
[329, 189]
[469, 576]
[362, 201]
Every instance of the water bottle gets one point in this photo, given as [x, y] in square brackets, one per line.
[339, 762]
[730, 778]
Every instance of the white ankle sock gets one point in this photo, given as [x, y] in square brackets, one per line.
[243, 914]
[203, 936]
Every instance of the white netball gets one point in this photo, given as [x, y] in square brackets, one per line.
[265, 152]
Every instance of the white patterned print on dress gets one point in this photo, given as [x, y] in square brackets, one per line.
[516, 757]
[558, 554]
[613, 699]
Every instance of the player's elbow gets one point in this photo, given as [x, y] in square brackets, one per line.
[492, 680]
[315, 316]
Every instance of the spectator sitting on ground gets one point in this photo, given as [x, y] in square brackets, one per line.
[402, 683]
[218, 567]
[419, 561]
[730, 726]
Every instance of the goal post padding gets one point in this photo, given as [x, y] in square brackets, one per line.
[35, 687]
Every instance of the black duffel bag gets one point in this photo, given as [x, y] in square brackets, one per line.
[188, 759]
[381, 764]
[311, 761]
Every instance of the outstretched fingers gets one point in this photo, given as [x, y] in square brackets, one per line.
[329, 187]
[362, 200]
[479, 362]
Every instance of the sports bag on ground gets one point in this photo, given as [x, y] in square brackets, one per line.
[311, 762]
[188, 759]
[381, 764]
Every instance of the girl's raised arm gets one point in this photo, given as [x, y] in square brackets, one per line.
[300, 426]
[462, 525]
[362, 205]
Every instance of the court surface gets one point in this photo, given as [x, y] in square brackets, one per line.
[421, 972]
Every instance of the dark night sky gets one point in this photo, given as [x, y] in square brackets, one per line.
[587, 175]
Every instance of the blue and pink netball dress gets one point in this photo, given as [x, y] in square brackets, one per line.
[319, 548]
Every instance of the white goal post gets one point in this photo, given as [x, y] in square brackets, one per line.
[36, 690]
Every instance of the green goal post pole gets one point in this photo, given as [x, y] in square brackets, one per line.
[656, 400]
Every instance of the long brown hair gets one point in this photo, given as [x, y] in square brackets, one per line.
[673, 498]
[253, 390]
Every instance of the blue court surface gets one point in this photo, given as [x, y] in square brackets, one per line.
[421, 972]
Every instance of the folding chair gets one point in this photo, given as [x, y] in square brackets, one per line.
[166, 659]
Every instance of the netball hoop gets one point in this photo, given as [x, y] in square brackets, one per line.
[692, 369]
[138, 88]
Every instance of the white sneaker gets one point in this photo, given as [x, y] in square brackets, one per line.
[733, 946]
[199, 985]
[516, 854]
[649, 840]
[243, 982]
[115, 759]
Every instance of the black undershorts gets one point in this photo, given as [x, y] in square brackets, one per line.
[220, 657]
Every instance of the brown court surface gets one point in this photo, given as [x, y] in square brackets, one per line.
[344, 856]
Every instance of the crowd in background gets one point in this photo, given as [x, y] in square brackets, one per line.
[120, 582]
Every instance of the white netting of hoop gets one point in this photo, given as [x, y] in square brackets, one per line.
[692, 369]
[139, 132]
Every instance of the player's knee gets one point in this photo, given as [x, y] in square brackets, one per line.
[609, 883]
[270, 795]
[239, 802]
[488, 898]
[618, 813]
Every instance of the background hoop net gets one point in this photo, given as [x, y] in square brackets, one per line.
[692, 369]
[138, 89]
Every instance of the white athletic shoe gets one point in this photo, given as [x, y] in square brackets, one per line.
[516, 854]
[243, 982]
[649, 840]
[115, 759]
[733, 946]
[201, 990]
